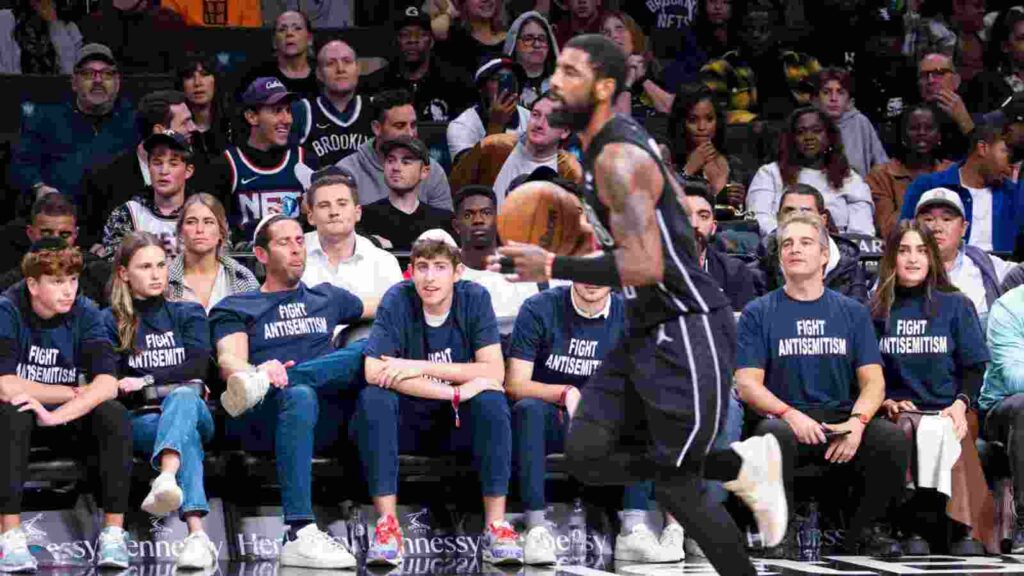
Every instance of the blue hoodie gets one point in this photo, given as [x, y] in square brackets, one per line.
[1007, 203]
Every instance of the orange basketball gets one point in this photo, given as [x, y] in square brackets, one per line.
[543, 214]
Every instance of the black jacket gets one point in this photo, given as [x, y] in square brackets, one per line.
[733, 278]
[847, 277]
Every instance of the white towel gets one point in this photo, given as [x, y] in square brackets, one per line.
[937, 451]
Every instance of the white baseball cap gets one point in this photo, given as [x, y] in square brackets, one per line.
[940, 197]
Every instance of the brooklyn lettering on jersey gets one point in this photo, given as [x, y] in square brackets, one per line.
[41, 367]
[579, 362]
[294, 323]
[811, 341]
[331, 143]
[911, 338]
[160, 352]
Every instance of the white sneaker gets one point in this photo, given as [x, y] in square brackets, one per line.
[198, 553]
[693, 551]
[539, 547]
[245, 390]
[640, 545]
[671, 539]
[759, 485]
[315, 549]
[164, 496]
[14, 552]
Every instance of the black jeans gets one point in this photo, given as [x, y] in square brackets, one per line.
[105, 432]
[879, 466]
[1005, 423]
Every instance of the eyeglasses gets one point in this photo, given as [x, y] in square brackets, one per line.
[932, 74]
[536, 40]
[106, 75]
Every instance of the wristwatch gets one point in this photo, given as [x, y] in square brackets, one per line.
[148, 380]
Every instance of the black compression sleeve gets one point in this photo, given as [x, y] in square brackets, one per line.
[599, 271]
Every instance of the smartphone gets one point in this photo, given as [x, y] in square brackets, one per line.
[830, 434]
[507, 83]
[922, 412]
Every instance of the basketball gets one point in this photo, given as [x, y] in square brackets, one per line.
[543, 214]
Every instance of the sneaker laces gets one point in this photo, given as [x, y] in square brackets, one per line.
[387, 530]
[539, 534]
[503, 531]
[325, 540]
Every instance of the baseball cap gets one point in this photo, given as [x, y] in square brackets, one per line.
[95, 51]
[266, 91]
[940, 197]
[170, 138]
[411, 144]
[492, 65]
[412, 16]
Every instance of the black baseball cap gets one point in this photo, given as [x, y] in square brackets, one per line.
[412, 16]
[414, 145]
[173, 140]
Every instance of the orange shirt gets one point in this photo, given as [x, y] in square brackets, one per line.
[236, 13]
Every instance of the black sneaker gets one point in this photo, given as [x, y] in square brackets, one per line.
[967, 546]
[788, 549]
[916, 546]
[874, 542]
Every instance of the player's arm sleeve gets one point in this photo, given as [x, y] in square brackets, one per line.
[751, 341]
[600, 270]
[528, 333]
[10, 343]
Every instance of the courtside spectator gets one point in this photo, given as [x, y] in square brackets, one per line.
[531, 43]
[334, 252]
[498, 82]
[843, 273]
[808, 357]
[51, 338]
[274, 350]
[920, 152]
[934, 356]
[990, 202]
[1002, 76]
[476, 34]
[293, 49]
[237, 13]
[195, 78]
[170, 166]
[584, 17]
[436, 86]
[560, 338]
[202, 272]
[973, 271]
[811, 152]
[394, 116]
[696, 131]
[34, 39]
[732, 274]
[59, 143]
[127, 176]
[1001, 403]
[397, 220]
[499, 158]
[335, 123]
[435, 350]
[644, 95]
[259, 175]
[163, 352]
[139, 33]
[860, 140]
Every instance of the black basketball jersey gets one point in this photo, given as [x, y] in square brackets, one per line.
[329, 135]
[685, 287]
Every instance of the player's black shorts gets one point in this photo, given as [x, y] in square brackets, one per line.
[667, 391]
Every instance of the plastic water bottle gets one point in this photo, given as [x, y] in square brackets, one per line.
[577, 533]
[357, 531]
[810, 535]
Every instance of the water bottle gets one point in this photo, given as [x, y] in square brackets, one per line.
[357, 531]
[577, 533]
[810, 535]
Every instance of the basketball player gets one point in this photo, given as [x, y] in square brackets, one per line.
[666, 386]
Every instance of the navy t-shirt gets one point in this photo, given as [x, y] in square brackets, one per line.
[292, 325]
[400, 329]
[172, 342]
[810, 351]
[56, 350]
[924, 353]
[565, 348]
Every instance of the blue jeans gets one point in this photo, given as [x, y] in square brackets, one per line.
[730, 432]
[285, 422]
[388, 422]
[183, 425]
[537, 433]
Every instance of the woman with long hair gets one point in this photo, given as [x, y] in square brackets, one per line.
[531, 42]
[644, 96]
[715, 27]
[468, 32]
[195, 78]
[34, 39]
[811, 152]
[293, 56]
[202, 272]
[163, 349]
[696, 129]
[934, 357]
[1003, 75]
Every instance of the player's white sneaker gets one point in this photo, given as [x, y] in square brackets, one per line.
[198, 553]
[245, 390]
[671, 539]
[759, 485]
[164, 496]
[312, 548]
[640, 545]
[14, 552]
[539, 548]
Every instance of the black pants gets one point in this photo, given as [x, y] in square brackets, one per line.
[105, 432]
[879, 467]
[1005, 423]
[652, 412]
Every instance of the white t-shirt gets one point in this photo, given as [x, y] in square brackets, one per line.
[220, 290]
[506, 297]
[467, 130]
[517, 163]
[966, 276]
[981, 218]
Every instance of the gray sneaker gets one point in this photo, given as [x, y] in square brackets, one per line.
[244, 390]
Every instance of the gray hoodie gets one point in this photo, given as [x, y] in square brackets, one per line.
[863, 148]
[369, 174]
[532, 90]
